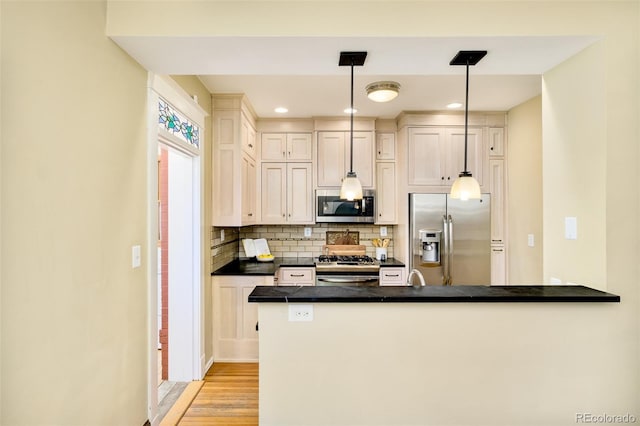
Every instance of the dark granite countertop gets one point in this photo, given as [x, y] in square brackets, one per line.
[430, 294]
[246, 266]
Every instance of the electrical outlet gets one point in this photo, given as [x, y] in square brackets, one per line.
[530, 241]
[383, 231]
[300, 312]
[222, 235]
[307, 232]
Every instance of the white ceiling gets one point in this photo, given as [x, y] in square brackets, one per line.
[302, 73]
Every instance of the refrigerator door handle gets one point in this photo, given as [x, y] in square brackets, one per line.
[445, 251]
[450, 248]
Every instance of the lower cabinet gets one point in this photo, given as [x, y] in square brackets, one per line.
[498, 265]
[234, 318]
[392, 276]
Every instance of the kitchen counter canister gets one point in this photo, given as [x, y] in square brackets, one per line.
[430, 294]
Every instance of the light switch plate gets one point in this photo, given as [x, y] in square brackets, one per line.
[136, 257]
[383, 231]
[307, 232]
[222, 235]
[530, 240]
[571, 228]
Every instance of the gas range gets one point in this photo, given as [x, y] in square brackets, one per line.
[344, 263]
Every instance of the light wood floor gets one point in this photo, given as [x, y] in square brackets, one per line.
[229, 396]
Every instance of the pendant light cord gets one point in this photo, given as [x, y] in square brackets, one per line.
[351, 133]
[466, 119]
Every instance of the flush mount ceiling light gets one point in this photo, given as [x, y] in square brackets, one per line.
[383, 91]
[281, 110]
[351, 188]
[454, 105]
[466, 187]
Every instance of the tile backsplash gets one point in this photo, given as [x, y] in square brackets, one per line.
[289, 240]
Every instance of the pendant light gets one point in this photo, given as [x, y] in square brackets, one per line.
[351, 188]
[466, 187]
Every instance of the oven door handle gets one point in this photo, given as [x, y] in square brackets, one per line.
[348, 280]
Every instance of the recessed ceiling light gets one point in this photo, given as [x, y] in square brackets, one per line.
[348, 110]
[454, 105]
[281, 110]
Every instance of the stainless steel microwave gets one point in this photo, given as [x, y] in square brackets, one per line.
[330, 208]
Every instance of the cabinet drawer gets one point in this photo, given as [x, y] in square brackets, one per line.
[296, 276]
[392, 276]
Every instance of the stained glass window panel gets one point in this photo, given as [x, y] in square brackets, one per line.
[177, 124]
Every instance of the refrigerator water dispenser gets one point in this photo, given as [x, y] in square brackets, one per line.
[430, 244]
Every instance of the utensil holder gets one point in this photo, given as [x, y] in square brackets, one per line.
[380, 251]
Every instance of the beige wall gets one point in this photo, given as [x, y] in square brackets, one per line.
[74, 312]
[575, 168]
[524, 201]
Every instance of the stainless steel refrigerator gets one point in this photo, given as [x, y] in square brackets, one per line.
[450, 239]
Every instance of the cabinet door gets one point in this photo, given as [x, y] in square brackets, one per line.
[496, 142]
[455, 159]
[363, 155]
[385, 146]
[386, 192]
[498, 266]
[331, 158]
[273, 146]
[299, 190]
[427, 156]
[497, 188]
[299, 147]
[274, 192]
[247, 137]
[248, 190]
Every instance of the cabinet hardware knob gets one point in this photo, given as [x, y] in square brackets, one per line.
[250, 214]
[283, 215]
[491, 148]
[380, 214]
[442, 178]
[250, 146]
[448, 177]
[284, 154]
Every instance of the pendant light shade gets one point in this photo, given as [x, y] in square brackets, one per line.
[351, 188]
[466, 187]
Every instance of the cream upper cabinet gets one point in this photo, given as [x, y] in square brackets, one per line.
[234, 167]
[386, 199]
[286, 147]
[287, 193]
[334, 156]
[385, 146]
[497, 188]
[436, 155]
[496, 142]
[249, 177]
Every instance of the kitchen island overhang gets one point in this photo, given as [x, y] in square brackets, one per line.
[431, 294]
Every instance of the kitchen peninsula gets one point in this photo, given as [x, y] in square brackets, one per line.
[399, 355]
